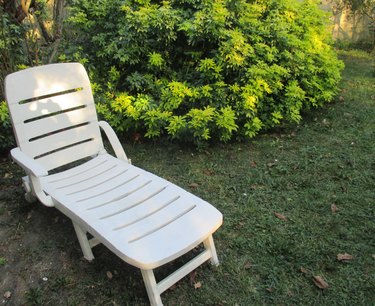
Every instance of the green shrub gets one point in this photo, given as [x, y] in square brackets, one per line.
[6, 135]
[204, 69]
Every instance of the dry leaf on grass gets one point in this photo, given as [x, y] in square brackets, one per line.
[280, 216]
[193, 185]
[344, 257]
[303, 270]
[192, 276]
[320, 282]
[7, 294]
[208, 172]
[334, 208]
[197, 285]
[109, 274]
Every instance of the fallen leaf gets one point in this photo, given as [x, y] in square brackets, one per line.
[344, 257]
[341, 99]
[7, 294]
[247, 265]
[136, 137]
[303, 270]
[192, 277]
[193, 185]
[320, 282]
[334, 208]
[208, 172]
[269, 289]
[109, 274]
[280, 216]
[8, 175]
[253, 164]
[197, 285]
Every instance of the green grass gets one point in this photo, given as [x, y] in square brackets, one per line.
[298, 171]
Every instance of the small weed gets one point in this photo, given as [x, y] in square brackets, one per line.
[34, 297]
[3, 261]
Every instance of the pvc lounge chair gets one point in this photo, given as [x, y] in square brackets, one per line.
[142, 218]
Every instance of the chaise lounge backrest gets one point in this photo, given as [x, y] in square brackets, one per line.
[53, 114]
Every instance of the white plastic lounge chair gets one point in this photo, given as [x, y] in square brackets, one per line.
[142, 218]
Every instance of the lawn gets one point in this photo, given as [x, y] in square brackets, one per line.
[298, 206]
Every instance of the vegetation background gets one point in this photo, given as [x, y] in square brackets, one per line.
[192, 70]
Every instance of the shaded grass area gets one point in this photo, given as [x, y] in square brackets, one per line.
[292, 200]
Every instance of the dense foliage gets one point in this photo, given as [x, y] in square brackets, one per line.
[204, 69]
[30, 32]
[194, 70]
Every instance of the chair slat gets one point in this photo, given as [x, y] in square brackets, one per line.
[70, 155]
[121, 218]
[114, 189]
[27, 111]
[59, 140]
[45, 80]
[44, 126]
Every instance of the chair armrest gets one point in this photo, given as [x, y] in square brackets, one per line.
[114, 141]
[27, 163]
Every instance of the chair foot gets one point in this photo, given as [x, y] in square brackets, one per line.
[30, 198]
[84, 242]
[210, 246]
[29, 195]
[151, 287]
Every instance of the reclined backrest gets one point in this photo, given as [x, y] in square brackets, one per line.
[53, 113]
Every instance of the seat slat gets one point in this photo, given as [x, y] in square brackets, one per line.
[155, 222]
[89, 179]
[95, 211]
[156, 249]
[118, 188]
[80, 172]
[120, 217]
[104, 181]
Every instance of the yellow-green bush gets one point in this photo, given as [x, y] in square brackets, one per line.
[205, 69]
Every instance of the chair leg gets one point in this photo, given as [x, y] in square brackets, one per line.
[209, 245]
[84, 242]
[151, 287]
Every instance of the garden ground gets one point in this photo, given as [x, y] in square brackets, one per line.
[298, 206]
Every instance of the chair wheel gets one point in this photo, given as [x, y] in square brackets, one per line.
[29, 197]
